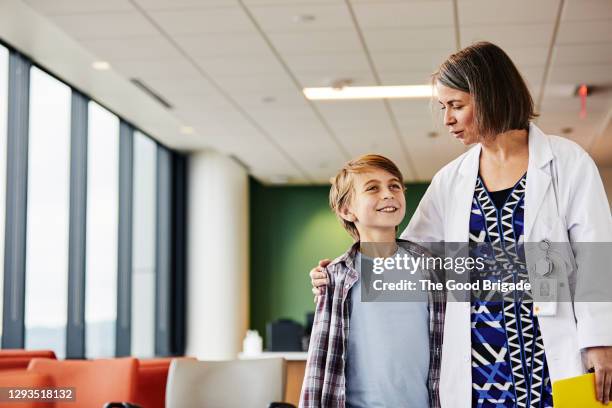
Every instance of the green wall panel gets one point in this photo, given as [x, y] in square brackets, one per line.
[291, 229]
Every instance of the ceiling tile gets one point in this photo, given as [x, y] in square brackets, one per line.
[148, 69]
[596, 54]
[255, 83]
[581, 74]
[203, 102]
[583, 132]
[130, 48]
[285, 118]
[528, 56]
[327, 63]
[105, 25]
[201, 21]
[404, 77]
[582, 32]
[63, 7]
[243, 65]
[285, 2]
[417, 61]
[570, 105]
[404, 15]
[601, 150]
[317, 42]
[509, 36]
[494, 12]
[577, 10]
[395, 39]
[314, 79]
[172, 86]
[409, 108]
[179, 4]
[271, 100]
[286, 18]
[223, 45]
[349, 110]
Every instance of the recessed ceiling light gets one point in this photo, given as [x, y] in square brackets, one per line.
[187, 130]
[369, 92]
[304, 18]
[101, 65]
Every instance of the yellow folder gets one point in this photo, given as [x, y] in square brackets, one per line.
[576, 392]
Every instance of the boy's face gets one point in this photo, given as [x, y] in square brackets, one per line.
[378, 201]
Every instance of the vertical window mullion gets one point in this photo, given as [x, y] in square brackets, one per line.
[75, 338]
[179, 252]
[16, 211]
[124, 272]
[163, 253]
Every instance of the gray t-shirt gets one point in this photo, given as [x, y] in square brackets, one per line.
[388, 352]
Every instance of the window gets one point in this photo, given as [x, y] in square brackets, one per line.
[143, 246]
[102, 227]
[47, 213]
[3, 133]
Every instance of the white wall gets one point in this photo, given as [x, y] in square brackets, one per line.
[218, 280]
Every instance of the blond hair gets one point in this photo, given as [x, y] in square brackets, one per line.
[342, 189]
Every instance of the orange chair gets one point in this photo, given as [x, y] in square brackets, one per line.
[18, 359]
[24, 379]
[151, 384]
[95, 382]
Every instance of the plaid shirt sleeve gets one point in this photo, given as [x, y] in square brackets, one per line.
[314, 376]
[437, 311]
[324, 382]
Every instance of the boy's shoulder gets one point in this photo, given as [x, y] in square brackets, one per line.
[344, 260]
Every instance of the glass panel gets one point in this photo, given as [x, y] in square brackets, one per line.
[3, 114]
[47, 214]
[143, 247]
[102, 227]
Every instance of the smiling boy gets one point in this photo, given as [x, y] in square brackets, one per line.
[390, 357]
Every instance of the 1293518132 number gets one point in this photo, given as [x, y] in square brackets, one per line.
[9, 394]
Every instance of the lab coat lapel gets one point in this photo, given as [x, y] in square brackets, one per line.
[538, 176]
[459, 218]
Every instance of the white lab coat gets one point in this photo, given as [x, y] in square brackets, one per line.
[564, 201]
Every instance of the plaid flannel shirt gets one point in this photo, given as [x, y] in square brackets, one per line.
[324, 381]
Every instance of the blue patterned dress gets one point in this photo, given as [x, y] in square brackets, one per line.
[509, 366]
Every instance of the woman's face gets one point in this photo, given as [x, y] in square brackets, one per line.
[458, 108]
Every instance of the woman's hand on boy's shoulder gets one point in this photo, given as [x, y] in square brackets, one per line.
[318, 277]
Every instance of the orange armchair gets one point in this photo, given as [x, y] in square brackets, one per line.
[25, 379]
[18, 359]
[96, 382]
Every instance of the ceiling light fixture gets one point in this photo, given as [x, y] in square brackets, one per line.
[369, 92]
[101, 65]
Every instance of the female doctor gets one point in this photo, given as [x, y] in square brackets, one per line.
[540, 188]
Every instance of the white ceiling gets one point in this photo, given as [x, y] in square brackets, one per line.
[218, 61]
